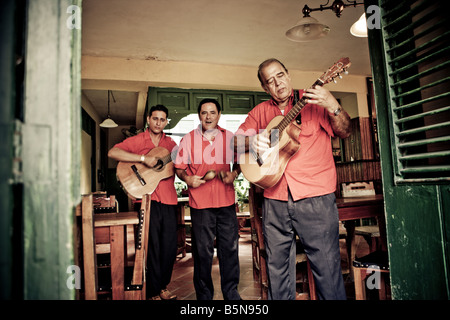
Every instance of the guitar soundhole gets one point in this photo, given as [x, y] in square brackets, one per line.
[274, 137]
[159, 165]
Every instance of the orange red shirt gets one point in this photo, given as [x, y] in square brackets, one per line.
[142, 144]
[311, 171]
[197, 155]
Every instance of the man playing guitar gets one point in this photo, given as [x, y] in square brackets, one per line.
[302, 202]
[162, 244]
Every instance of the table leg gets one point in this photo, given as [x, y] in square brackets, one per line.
[350, 243]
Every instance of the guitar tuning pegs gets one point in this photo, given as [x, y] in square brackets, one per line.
[339, 76]
[334, 80]
[345, 71]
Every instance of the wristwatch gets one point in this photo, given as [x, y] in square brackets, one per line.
[337, 111]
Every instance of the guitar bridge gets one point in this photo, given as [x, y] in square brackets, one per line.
[257, 158]
[136, 172]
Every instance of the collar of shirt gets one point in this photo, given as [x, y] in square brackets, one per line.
[148, 138]
[291, 101]
[200, 132]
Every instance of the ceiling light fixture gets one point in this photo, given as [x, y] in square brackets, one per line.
[308, 28]
[359, 28]
[108, 122]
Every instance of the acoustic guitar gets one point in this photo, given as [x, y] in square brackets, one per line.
[137, 179]
[265, 170]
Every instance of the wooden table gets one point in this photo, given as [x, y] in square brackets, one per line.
[355, 208]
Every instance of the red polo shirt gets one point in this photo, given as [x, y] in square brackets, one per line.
[142, 144]
[197, 155]
[311, 171]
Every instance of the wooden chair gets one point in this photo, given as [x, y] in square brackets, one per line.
[371, 234]
[104, 204]
[373, 267]
[308, 285]
[258, 248]
[114, 242]
[259, 252]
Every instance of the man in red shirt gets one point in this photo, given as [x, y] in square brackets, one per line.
[162, 245]
[212, 202]
[302, 202]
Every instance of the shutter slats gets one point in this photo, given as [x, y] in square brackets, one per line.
[417, 143]
[424, 128]
[419, 35]
[421, 48]
[423, 59]
[422, 115]
[416, 90]
[410, 26]
[421, 169]
[420, 75]
[427, 155]
[416, 38]
[419, 102]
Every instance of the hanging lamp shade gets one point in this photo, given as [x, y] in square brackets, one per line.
[359, 28]
[108, 122]
[307, 29]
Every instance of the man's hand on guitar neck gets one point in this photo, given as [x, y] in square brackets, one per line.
[340, 120]
[322, 97]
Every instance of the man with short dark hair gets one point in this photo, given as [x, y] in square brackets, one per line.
[162, 242]
[203, 162]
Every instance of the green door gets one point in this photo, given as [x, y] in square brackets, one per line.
[40, 157]
[411, 74]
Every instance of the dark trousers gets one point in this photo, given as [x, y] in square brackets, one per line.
[207, 224]
[162, 247]
[316, 222]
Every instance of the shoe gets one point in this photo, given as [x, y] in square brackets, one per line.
[166, 295]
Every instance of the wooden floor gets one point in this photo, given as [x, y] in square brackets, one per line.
[182, 277]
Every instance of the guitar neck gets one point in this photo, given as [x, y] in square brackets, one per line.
[295, 110]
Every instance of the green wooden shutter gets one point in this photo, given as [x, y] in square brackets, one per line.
[416, 38]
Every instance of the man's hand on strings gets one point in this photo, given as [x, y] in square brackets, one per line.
[260, 142]
[322, 97]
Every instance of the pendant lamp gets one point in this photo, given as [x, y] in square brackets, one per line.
[307, 29]
[108, 122]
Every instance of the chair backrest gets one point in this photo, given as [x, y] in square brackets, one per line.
[255, 200]
[104, 204]
[357, 189]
